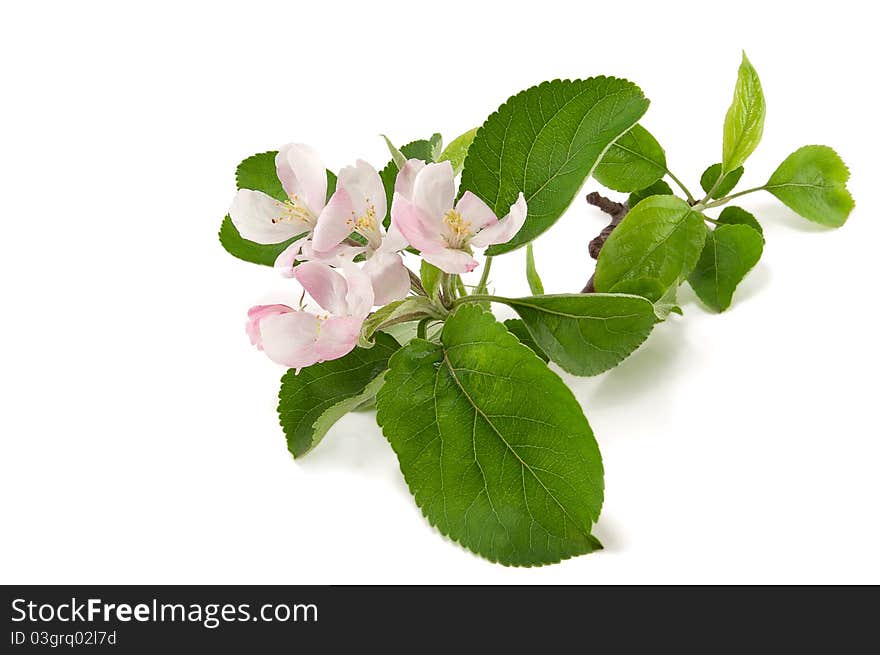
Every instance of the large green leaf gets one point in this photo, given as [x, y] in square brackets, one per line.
[493, 445]
[812, 182]
[659, 188]
[258, 173]
[420, 149]
[586, 334]
[660, 238]
[729, 254]
[635, 161]
[744, 123]
[311, 402]
[516, 327]
[544, 142]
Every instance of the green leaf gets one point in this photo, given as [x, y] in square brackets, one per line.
[430, 276]
[397, 157]
[436, 142]
[258, 172]
[667, 304]
[744, 123]
[544, 142]
[635, 161]
[729, 254]
[421, 149]
[586, 334]
[661, 238]
[516, 327]
[457, 150]
[535, 284]
[659, 188]
[413, 308]
[646, 287]
[710, 176]
[311, 402]
[493, 445]
[812, 182]
[732, 215]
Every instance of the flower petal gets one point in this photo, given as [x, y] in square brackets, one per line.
[504, 230]
[475, 211]
[291, 339]
[338, 337]
[365, 188]
[406, 177]
[325, 285]
[359, 297]
[389, 277]
[434, 190]
[302, 174]
[288, 257]
[335, 222]
[421, 232]
[394, 240]
[451, 261]
[255, 316]
[255, 216]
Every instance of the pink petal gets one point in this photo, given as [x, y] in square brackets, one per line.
[434, 190]
[256, 314]
[389, 277]
[365, 188]
[291, 339]
[506, 228]
[255, 216]
[475, 211]
[286, 261]
[451, 261]
[335, 222]
[338, 337]
[394, 240]
[418, 229]
[406, 178]
[325, 285]
[302, 174]
[359, 298]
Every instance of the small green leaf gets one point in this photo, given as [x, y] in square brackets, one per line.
[744, 123]
[729, 254]
[732, 215]
[635, 161]
[436, 142]
[661, 238]
[430, 276]
[535, 284]
[812, 182]
[413, 308]
[311, 402]
[710, 176]
[493, 445]
[420, 149]
[659, 188]
[667, 304]
[586, 334]
[397, 157]
[456, 152]
[544, 142]
[258, 173]
[516, 327]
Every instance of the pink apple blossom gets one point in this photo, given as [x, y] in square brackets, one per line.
[425, 211]
[298, 338]
[261, 218]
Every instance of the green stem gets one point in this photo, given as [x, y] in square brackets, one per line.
[681, 186]
[448, 288]
[484, 278]
[480, 297]
[727, 199]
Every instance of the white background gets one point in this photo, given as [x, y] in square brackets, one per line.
[139, 435]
